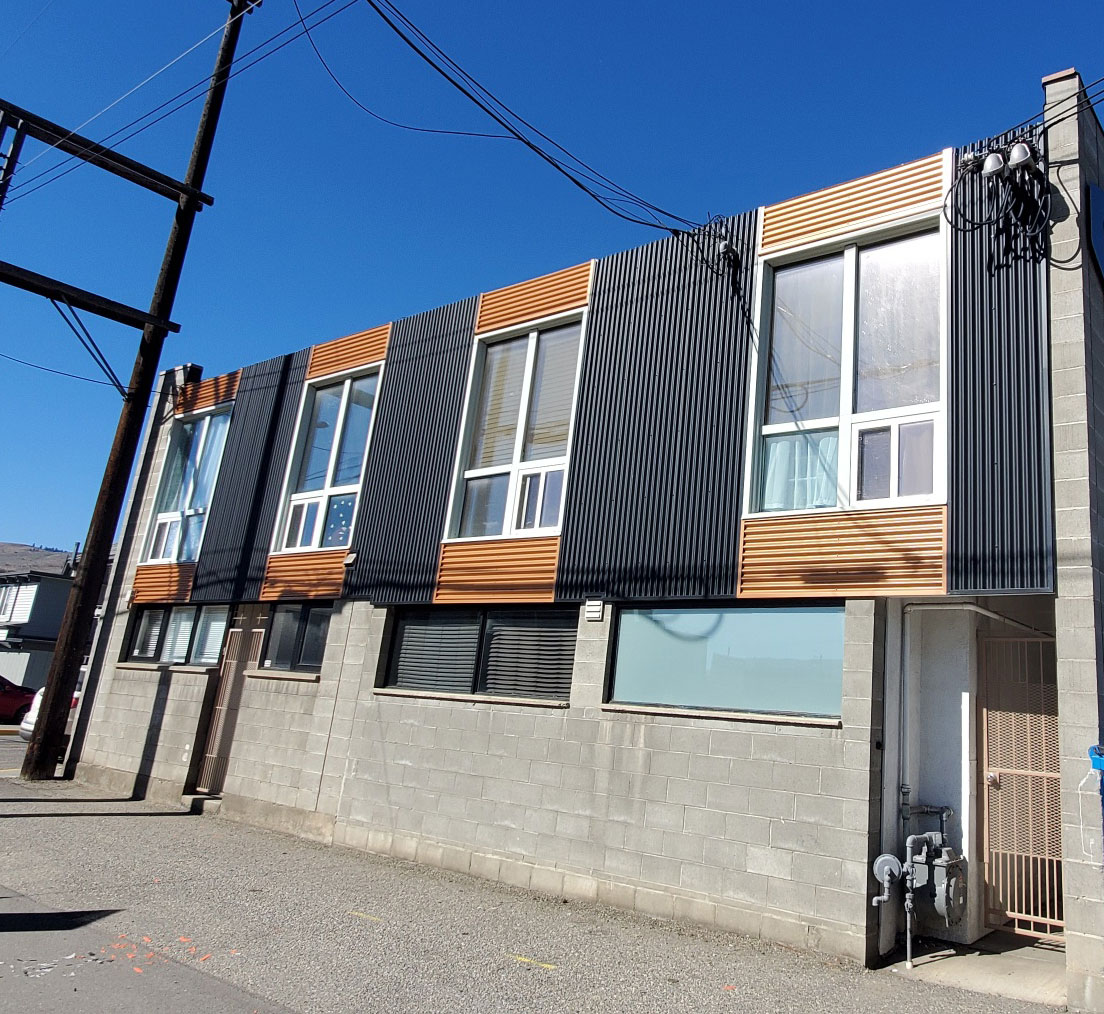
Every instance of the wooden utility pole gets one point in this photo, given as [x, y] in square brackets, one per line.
[46, 745]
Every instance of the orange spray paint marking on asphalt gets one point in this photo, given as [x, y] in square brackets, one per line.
[205, 957]
[137, 969]
[185, 940]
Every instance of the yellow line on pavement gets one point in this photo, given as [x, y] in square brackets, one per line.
[532, 961]
[365, 915]
[10, 771]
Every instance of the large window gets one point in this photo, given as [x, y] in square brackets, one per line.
[296, 638]
[180, 635]
[513, 463]
[187, 481]
[326, 472]
[773, 660]
[499, 652]
[852, 410]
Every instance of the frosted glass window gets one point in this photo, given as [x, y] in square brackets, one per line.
[553, 385]
[897, 348]
[874, 464]
[915, 458]
[785, 660]
[799, 470]
[496, 418]
[806, 342]
[484, 506]
[339, 521]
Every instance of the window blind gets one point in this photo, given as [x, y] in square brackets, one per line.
[209, 634]
[435, 650]
[553, 386]
[529, 654]
[179, 633]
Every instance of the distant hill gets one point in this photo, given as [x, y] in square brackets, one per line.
[15, 558]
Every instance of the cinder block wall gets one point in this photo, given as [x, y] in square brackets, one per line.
[142, 731]
[762, 828]
[1076, 152]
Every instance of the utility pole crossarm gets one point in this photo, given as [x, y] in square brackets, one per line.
[41, 129]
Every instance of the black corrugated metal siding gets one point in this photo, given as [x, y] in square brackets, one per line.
[401, 516]
[652, 507]
[1000, 505]
[245, 502]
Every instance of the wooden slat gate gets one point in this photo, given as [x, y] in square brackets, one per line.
[242, 649]
[1020, 792]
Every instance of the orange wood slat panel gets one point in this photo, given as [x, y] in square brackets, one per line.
[891, 194]
[498, 570]
[163, 582]
[859, 553]
[207, 393]
[349, 352]
[539, 297]
[317, 575]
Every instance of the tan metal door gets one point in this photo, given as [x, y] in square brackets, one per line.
[1021, 800]
[242, 649]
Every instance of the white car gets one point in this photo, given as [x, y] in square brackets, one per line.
[26, 727]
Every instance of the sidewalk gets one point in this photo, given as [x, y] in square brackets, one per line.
[118, 905]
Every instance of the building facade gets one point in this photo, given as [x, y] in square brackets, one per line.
[686, 579]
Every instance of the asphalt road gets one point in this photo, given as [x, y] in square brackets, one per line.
[12, 749]
[122, 906]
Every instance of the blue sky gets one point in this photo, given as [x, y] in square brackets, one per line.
[328, 222]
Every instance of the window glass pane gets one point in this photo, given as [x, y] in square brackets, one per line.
[172, 489]
[806, 341]
[207, 645]
[553, 492]
[484, 506]
[280, 650]
[874, 464]
[527, 501]
[354, 437]
[776, 660]
[319, 439]
[193, 532]
[897, 354]
[179, 633]
[435, 650]
[339, 520]
[496, 415]
[529, 654]
[149, 630]
[799, 471]
[294, 521]
[916, 443]
[550, 401]
[314, 637]
[310, 516]
[208, 465]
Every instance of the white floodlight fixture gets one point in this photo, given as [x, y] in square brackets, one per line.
[1020, 156]
[993, 165]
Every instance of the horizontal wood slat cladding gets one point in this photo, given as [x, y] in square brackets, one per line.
[539, 297]
[207, 393]
[163, 582]
[498, 570]
[893, 193]
[349, 352]
[858, 553]
[304, 575]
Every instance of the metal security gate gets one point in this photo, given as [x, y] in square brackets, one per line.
[1020, 791]
[242, 648]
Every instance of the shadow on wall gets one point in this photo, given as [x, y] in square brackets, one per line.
[153, 736]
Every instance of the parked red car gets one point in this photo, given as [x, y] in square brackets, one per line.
[15, 701]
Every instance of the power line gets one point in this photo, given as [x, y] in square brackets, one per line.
[202, 84]
[371, 112]
[60, 373]
[605, 200]
[30, 24]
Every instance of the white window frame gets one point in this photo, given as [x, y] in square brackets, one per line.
[516, 469]
[322, 497]
[849, 423]
[170, 551]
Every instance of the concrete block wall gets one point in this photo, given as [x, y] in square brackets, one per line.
[1076, 153]
[765, 828]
